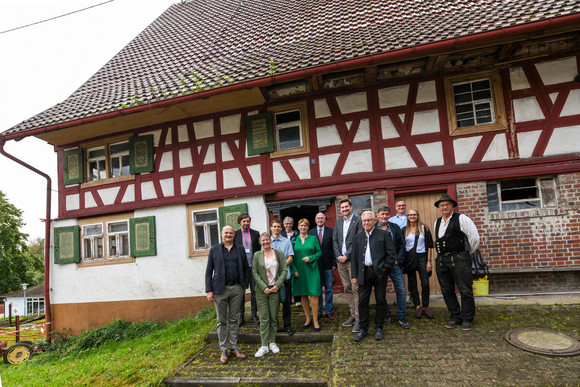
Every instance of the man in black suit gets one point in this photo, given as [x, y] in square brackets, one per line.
[250, 241]
[345, 229]
[326, 263]
[373, 256]
[226, 276]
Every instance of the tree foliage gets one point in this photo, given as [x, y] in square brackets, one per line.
[17, 264]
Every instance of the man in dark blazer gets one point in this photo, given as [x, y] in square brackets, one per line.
[326, 264]
[345, 229]
[373, 256]
[249, 239]
[226, 276]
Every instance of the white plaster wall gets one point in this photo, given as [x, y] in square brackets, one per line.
[321, 108]
[518, 79]
[72, 202]
[425, 122]
[426, 92]
[168, 138]
[156, 135]
[432, 153]
[167, 187]
[226, 152]
[185, 181]
[572, 104]
[327, 163]
[497, 149]
[327, 136]
[351, 103]
[230, 124]
[166, 163]
[203, 129]
[527, 109]
[148, 190]
[210, 155]
[169, 274]
[527, 142]
[206, 182]
[90, 200]
[358, 161]
[256, 208]
[464, 148]
[398, 158]
[280, 174]
[564, 140]
[129, 194]
[301, 167]
[557, 71]
[182, 134]
[108, 195]
[363, 133]
[256, 173]
[233, 178]
[185, 159]
[388, 129]
[393, 96]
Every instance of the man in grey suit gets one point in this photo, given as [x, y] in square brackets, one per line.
[345, 229]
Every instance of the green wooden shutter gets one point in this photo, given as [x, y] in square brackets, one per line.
[72, 161]
[67, 244]
[229, 215]
[141, 154]
[143, 236]
[259, 134]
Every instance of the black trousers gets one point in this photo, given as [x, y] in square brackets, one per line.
[454, 270]
[252, 300]
[286, 305]
[423, 277]
[364, 295]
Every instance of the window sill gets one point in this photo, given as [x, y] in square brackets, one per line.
[196, 254]
[105, 262]
[107, 181]
[521, 214]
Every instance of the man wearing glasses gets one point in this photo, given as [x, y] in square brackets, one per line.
[401, 218]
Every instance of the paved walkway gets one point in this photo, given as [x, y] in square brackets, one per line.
[426, 354]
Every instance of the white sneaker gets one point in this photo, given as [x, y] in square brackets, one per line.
[274, 348]
[262, 351]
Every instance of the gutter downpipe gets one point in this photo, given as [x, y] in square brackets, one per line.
[47, 225]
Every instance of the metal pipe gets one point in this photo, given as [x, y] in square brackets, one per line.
[47, 224]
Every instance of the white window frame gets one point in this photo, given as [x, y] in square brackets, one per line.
[118, 237]
[302, 123]
[124, 168]
[105, 237]
[207, 225]
[542, 185]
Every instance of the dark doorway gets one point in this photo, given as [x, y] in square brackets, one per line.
[300, 212]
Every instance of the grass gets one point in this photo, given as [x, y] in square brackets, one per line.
[118, 354]
[27, 334]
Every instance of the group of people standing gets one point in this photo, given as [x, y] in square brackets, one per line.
[366, 251]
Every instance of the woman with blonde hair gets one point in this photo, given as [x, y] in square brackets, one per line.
[306, 276]
[418, 240]
[269, 272]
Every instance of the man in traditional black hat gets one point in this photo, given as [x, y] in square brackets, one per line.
[456, 237]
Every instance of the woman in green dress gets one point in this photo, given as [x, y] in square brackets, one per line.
[306, 279]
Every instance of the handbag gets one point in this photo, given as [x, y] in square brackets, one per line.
[410, 264]
[282, 293]
[478, 267]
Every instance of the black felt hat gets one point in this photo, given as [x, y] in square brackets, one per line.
[445, 198]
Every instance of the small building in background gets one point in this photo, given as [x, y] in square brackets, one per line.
[34, 302]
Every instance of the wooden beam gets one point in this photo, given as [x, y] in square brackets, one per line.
[371, 74]
[315, 82]
[435, 63]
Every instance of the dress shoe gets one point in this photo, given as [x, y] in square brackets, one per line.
[379, 334]
[330, 316]
[290, 331]
[349, 321]
[317, 329]
[359, 336]
[236, 352]
[306, 326]
[224, 357]
[404, 324]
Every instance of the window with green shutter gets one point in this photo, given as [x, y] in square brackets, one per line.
[143, 236]
[141, 154]
[66, 245]
[73, 171]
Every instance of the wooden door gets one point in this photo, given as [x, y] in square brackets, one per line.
[424, 204]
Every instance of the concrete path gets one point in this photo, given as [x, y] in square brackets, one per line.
[426, 354]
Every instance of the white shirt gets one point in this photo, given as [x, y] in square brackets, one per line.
[368, 259]
[467, 227]
[345, 226]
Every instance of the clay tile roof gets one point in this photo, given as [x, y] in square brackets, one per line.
[203, 44]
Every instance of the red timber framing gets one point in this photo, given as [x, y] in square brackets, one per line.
[347, 125]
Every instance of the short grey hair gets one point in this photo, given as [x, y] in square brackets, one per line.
[367, 213]
[288, 219]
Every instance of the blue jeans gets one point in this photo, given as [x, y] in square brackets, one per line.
[326, 278]
[396, 274]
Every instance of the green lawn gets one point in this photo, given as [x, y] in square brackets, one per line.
[118, 354]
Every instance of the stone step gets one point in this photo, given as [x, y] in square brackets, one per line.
[282, 337]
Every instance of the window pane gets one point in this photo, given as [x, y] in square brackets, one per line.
[361, 203]
[205, 216]
[492, 197]
[463, 98]
[99, 253]
[87, 248]
[520, 205]
[485, 94]
[115, 166]
[462, 88]
[548, 187]
[282, 118]
[119, 148]
[465, 123]
[92, 230]
[124, 245]
[118, 227]
[465, 116]
[463, 108]
[96, 153]
[200, 237]
[519, 189]
[481, 85]
[125, 165]
[113, 251]
[214, 234]
[289, 137]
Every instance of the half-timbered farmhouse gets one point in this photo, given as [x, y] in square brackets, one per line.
[286, 107]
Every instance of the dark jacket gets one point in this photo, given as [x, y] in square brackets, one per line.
[215, 272]
[328, 260]
[354, 228]
[382, 254]
[255, 241]
[398, 240]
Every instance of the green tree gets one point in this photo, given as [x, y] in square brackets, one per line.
[17, 266]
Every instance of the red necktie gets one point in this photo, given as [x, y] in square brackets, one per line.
[320, 236]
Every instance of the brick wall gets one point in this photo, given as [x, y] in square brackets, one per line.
[530, 239]
[542, 282]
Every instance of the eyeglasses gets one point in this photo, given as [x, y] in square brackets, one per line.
[410, 215]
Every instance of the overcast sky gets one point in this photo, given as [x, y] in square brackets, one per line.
[43, 64]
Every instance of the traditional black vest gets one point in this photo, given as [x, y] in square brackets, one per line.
[454, 240]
